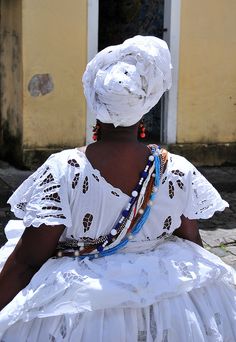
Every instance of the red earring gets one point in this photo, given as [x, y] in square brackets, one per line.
[96, 132]
[142, 130]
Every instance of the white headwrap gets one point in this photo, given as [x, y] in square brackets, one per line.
[123, 82]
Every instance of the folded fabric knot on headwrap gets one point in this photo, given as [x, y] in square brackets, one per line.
[123, 82]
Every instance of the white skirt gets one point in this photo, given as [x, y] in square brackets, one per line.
[175, 292]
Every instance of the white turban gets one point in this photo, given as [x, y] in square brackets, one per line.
[123, 82]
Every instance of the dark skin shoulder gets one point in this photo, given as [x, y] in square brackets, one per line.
[119, 164]
[34, 248]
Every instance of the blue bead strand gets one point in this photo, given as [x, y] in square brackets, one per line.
[137, 227]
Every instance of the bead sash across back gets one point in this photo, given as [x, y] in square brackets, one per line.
[131, 219]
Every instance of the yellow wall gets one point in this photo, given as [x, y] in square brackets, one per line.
[54, 42]
[207, 72]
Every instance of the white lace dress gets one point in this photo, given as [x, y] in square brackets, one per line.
[158, 288]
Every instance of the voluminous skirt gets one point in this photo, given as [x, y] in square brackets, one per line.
[172, 291]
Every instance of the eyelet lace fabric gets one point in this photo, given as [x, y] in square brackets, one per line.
[67, 181]
[158, 288]
[203, 199]
[41, 199]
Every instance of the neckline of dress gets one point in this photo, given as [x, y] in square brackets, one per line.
[104, 179]
[100, 175]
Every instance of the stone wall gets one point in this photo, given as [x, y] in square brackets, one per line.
[10, 80]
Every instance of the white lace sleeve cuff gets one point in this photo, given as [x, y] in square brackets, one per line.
[42, 198]
[203, 200]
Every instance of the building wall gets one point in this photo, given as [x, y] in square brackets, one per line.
[54, 56]
[207, 72]
[44, 48]
[10, 79]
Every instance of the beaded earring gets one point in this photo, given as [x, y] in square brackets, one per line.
[141, 130]
[96, 132]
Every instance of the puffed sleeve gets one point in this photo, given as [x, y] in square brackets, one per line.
[203, 200]
[43, 197]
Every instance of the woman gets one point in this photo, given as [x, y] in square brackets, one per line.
[129, 264]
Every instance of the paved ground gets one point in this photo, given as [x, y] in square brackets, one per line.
[218, 233]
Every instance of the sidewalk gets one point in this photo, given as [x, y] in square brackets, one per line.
[218, 233]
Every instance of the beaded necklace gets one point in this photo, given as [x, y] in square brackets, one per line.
[105, 244]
